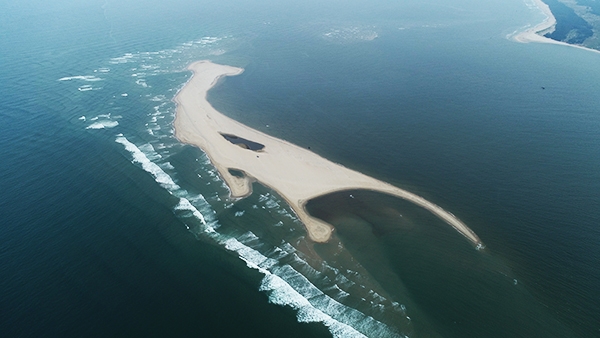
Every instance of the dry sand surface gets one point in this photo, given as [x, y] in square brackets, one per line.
[297, 174]
[533, 34]
[536, 34]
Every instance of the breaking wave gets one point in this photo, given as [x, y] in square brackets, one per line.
[88, 78]
[282, 281]
[103, 125]
[317, 295]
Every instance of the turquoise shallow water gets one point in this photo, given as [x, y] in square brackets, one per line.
[110, 226]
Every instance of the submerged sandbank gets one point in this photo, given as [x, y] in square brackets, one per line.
[297, 174]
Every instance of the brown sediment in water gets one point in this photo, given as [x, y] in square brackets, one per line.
[297, 174]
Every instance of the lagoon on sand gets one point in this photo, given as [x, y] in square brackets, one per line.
[297, 174]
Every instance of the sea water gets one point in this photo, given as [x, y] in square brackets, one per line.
[110, 226]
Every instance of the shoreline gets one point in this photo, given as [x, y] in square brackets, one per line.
[535, 34]
[295, 173]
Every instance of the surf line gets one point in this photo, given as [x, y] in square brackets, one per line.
[242, 155]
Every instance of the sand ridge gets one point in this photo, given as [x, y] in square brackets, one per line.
[536, 33]
[297, 174]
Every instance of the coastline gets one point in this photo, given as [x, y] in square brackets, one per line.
[535, 34]
[295, 173]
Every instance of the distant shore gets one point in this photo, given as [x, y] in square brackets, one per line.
[536, 33]
[297, 174]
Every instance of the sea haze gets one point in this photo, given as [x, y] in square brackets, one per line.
[110, 226]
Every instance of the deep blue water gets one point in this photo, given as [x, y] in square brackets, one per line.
[111, 227]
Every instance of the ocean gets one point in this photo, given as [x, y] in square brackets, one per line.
[111, 227]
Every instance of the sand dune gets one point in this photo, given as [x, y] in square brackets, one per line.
[297, 174]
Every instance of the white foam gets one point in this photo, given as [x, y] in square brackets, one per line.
[149, 151]
[168, 165]
[149, 67]
[88, 78]
[272, 204]
[184, 204]
[196, 205]
[121, 59]
[340, 293]
[104, 118]
[139, 157]
[248, 237]
[253, 258]
[283, 294]
[286, 286]
[158, 98]
[142, 83]
[287, 247]
[207, 40]
[104, 124]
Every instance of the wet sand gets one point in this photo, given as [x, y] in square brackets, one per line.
[297, 174]
[536, 33]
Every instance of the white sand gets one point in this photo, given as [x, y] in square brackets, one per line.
[535, 34]
[297, 174]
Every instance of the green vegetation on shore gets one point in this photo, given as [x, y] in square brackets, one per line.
[577, 22]
[570, 27]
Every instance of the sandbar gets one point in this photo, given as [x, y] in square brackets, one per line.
[536, 33]
[295, 173]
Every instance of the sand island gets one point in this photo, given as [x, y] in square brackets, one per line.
[242, 155]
